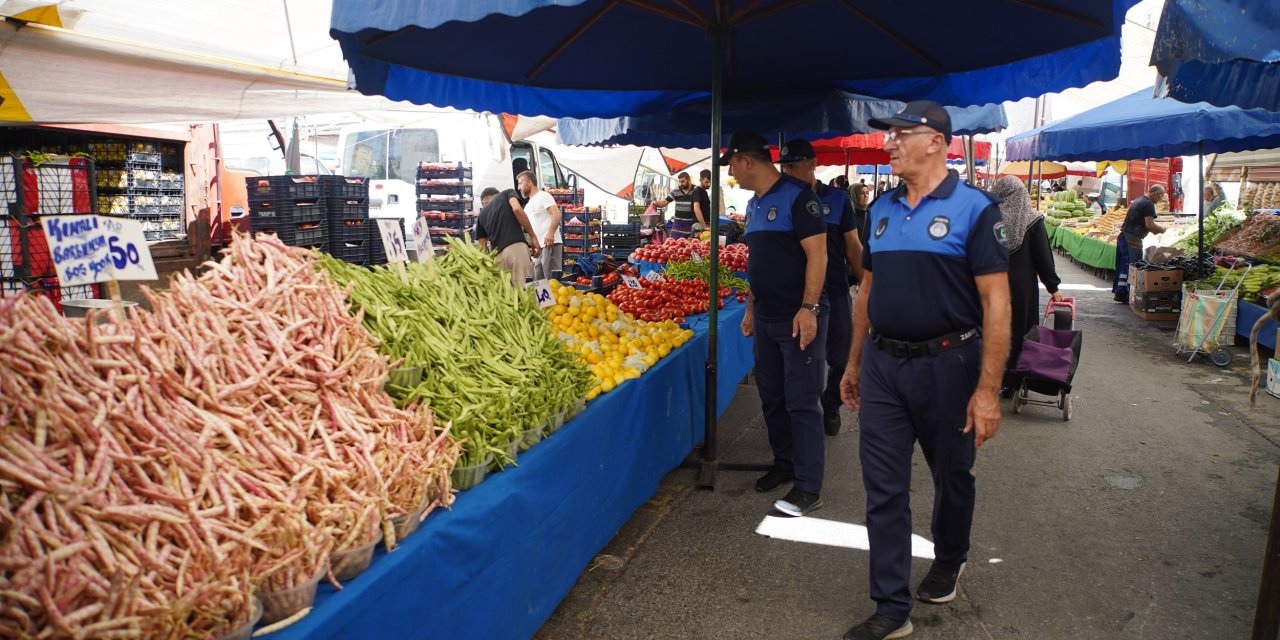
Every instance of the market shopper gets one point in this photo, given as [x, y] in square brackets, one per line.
[702, 198]
[682, 219]
[844, 249]
[931, 333]
[1030, 264]
[786, 234]
[503, 226]
[1095, 204]
[860, 195]
[1138, 222]
[544, 215]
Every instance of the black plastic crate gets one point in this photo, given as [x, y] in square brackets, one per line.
[350, 235]
[428, 171]
[444, 206]
[346, 209]
[443, 187]
[629, 229]
[355, 255]
[283, 187]
[344, 187]
[297, 211]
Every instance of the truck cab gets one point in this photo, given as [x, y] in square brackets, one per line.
[389, 158]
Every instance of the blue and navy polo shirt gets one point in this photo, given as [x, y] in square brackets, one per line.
[776, 223]
[925, 260]
[837, 209]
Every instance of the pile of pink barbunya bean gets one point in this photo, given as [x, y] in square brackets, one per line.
[157, 471]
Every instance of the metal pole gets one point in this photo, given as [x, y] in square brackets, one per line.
[969, 159]
[1200, 232]
[710, 465]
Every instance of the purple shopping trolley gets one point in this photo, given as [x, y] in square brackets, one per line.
[1047, 364]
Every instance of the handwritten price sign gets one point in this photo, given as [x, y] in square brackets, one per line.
[545, 299]
[422, 239]
[89, 249]
[631, 282]
[393, 240]
[654, 276]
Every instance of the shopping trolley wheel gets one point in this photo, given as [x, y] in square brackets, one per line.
[1066, 409]
[1221, 356]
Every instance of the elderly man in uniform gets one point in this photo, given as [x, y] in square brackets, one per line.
[931, 333]
[844, 249]
[786, 234]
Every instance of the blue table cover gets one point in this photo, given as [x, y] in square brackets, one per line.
[1248, 313]
[499, 562]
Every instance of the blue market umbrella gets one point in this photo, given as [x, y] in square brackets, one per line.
[1223, 52]
[685, 127]
[581, 59]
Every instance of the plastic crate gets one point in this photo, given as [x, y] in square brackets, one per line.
[353, 236]
[344, 187]
[282, 187]
[338, 210]
[142, 157]
[629, 229]
[297, 211]
[429, 170]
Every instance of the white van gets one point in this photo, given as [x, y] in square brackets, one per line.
[389, 157]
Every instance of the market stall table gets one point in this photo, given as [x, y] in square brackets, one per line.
[1247, 313]
[1083, 249]
[499, 562]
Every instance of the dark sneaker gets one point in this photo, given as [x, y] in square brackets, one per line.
[831, 422]
[798, 502]
[940, 586]
[878, 627]
[774, 479]
[1121, 299]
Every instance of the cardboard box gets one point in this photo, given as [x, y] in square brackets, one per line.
[1157, 302]
[1155, 280]
[1273, 377]
[1152, 317]
[1161, 255]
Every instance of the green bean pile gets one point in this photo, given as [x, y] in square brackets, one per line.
[492, 363]
[691, 270]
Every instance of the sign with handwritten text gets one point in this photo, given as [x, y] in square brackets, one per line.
[88, 249]
[422, 239]
[393, 240]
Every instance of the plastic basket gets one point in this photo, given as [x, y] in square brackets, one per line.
[245, 631]
[278, 605]
[282, 187]
[408, 523]
[467, 477]
[532, 437]
[344, 187]
[349, 563]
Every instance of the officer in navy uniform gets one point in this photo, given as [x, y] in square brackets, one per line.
[786, 235]
[931, 333]
[844, 250]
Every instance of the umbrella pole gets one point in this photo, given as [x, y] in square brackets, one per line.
[710, 464]
[968, 159]
[1200, 230]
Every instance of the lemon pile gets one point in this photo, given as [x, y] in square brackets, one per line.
[615, 346]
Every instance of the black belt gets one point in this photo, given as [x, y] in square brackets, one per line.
[903, 349]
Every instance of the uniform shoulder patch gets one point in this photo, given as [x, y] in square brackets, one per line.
[1002, 234]
[813, 208]
[939, 227]
[881, 226]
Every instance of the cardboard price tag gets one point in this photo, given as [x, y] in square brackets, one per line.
[88, 249]
[696, 258]
[422, 239]
[654, 276]
[631, 282]
[545, 299]
[393, 240]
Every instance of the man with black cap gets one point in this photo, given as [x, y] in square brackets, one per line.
[787, 263]
[931, 333]
[844, 249]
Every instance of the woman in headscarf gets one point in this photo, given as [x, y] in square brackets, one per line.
[860, 194]
[1030, 259]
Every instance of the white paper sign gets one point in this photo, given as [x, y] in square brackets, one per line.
[130, 255]
[723, 239]
[88, 249]
[696, 258]
[545, 299]
[654, 276]
[631, 282]
[422, 239]
[392, 240]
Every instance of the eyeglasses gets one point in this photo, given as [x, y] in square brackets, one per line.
[895, 134]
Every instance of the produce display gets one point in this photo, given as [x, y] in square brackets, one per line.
[159, 472]
[615, 345]
[733, 256]
[1264, 195]
[1065, 204]
[691, 270]
[667, 299]
[1215, 226]
[491, 364]
[1260, 279]
[1257, 237]
[1105, 227]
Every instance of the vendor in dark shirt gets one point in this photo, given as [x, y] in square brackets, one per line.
[683, 197]
[1140, 221]
[503, 225]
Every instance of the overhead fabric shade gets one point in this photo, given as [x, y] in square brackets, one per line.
[1223, 52]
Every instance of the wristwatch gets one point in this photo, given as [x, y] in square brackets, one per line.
[812, 307]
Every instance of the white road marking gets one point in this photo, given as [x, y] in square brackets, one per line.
[831, 533]
[1082, 287]
[995, 561]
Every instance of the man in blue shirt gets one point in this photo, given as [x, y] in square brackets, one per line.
[933, 314]
[844, 250]
[786, 235]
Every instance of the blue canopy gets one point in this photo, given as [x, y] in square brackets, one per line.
[1223, 52]
[870, 169]
[686, 128]
[1140, 126]
[579, 58]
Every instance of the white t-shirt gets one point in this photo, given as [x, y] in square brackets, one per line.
[539, 211]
